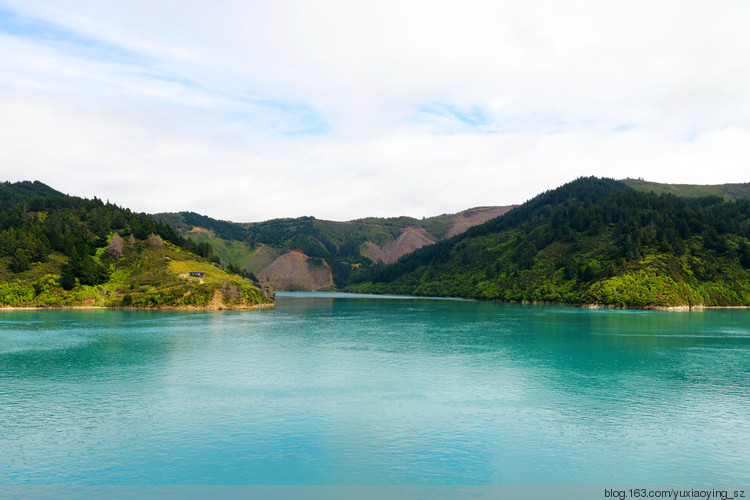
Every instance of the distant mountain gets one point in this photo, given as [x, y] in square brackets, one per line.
[58, 250]
[725, 191]
[592, 241]
[306, 253]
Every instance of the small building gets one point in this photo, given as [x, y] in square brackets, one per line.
[196, 274]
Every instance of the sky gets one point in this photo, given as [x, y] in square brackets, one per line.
[250, 110]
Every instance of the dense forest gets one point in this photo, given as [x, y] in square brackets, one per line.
[590, 241]
[50, 239]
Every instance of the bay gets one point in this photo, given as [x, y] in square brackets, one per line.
[341, 389]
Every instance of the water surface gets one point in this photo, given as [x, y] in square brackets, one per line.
[335, 389]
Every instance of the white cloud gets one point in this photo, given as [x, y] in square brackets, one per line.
[344, 109]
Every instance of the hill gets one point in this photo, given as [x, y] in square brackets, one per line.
[11, 193]
[592, 241]
[306, 253]
[57, 250]
[725, 191]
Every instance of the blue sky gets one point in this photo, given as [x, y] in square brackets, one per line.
[344, 109]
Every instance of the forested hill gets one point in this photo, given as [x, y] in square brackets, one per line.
[11, 193]
[62, 250]
[592, 241]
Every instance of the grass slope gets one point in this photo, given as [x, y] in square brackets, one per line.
[726, 191]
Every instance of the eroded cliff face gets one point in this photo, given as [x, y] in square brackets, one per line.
[295, 271]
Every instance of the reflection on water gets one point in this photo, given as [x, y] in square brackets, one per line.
[334, 388]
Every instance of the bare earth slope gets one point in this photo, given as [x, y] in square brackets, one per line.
[409, 240]
[293, 271]
[413, 238]
[260, 259]
[373, 251]
[475, 216]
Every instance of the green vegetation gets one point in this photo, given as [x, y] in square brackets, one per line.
[248, 246]
[12, 193]
[599, 241]
[726, 191]
[590, 241]
[57, 250]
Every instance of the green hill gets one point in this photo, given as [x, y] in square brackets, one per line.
[11, 193]
[592, 241]
[726, 191]
[57, 250]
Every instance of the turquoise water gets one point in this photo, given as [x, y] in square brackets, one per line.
[333, 389]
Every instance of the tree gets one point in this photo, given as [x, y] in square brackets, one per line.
[115, 247]
[20, 261]
[204, 249]
[67, 278]
[745, 255]
[154, 240]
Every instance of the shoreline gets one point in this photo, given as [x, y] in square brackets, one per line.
[213, 306]
[696, 308]
[584, 305]
[681, 308]
[254, 307]
[581, 305]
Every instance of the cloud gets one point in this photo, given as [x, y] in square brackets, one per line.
[342, 109]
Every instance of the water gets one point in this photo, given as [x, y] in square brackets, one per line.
[333, 389]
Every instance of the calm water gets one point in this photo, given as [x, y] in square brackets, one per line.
[330, 389]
